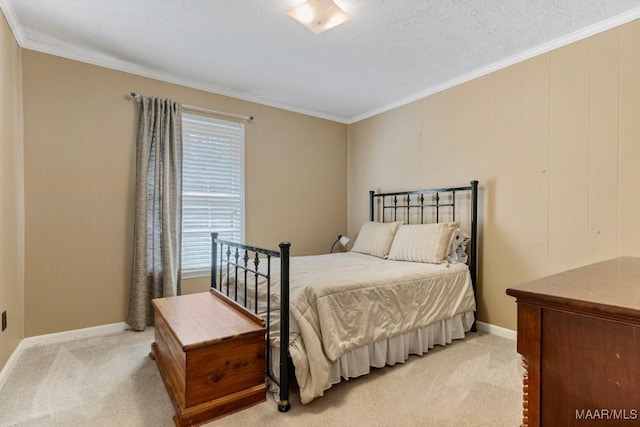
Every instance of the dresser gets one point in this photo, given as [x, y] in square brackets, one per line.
[579, 337]
[211, 355]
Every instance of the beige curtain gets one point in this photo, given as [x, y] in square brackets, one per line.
[156, 250]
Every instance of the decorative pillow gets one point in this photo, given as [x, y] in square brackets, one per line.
[375, 238]
[458, 248]
[423, 242]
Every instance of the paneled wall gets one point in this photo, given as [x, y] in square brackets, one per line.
[554, 142]
[79, 180]
[11, 193]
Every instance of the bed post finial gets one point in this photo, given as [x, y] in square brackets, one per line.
[371, 193]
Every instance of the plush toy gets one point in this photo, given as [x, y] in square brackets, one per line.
[458, 248]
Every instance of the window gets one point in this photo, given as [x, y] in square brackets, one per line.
[212, 188]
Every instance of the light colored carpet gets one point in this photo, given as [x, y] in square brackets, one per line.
[110, 381]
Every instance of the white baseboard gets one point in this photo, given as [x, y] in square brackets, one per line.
[57, 338]
[75, 334]
[8, 367]
[497, 330]
[118, 327]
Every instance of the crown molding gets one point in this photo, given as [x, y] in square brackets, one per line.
[172, 78]
[520, 57]
[12, 20]
[130, 68]
[127, 67]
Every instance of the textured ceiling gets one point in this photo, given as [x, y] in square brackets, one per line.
[389, 53]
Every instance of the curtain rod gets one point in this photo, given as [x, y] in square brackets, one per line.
[134, 95]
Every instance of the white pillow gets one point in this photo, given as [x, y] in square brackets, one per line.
[423, 242]
[375, 238]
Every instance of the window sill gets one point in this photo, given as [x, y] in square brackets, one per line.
[195, 274]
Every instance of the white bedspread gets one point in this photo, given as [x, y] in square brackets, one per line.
[339, 302]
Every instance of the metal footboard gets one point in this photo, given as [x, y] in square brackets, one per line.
[250, 265]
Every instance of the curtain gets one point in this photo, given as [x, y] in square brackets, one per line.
[157, 224]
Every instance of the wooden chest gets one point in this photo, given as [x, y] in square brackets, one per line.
[210, 353]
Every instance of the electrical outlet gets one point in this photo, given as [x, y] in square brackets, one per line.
[4, 320]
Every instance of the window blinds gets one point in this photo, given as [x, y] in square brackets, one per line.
[212, 188]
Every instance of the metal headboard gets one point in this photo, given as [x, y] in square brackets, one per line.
[441, 203]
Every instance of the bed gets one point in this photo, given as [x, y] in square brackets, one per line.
[400, 290]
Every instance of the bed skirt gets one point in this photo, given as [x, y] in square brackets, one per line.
[394, 350]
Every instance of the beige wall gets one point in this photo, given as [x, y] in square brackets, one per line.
[79, 184]
[11, 193]
[554, 142]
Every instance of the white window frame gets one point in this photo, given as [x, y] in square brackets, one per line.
[202, 270]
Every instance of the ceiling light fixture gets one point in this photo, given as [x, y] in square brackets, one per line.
[318, 15]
